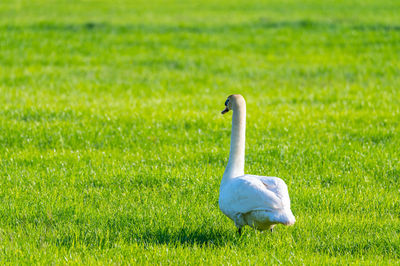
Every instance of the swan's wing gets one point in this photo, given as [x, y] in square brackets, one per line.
[248, 193]
[279, 187]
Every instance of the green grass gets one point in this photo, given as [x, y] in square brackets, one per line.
[112, 145]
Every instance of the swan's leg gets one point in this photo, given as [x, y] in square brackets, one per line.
[239, 222]
[272, 228]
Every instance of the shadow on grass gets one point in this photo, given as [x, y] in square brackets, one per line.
[261, 23]
[184, 236]
[173, 237]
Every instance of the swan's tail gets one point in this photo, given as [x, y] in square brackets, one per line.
[285, 217]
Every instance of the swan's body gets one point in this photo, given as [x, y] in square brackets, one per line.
[257, 201]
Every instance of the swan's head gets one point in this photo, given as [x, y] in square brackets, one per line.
[232, 102]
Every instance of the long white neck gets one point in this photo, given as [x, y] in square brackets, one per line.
[235, 165]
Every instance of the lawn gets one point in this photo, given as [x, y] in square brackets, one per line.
[112, 145]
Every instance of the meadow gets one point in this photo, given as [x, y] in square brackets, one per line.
[112, 145]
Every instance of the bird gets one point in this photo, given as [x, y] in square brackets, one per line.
[260, 202]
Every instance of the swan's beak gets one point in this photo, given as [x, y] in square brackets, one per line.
[225, 110]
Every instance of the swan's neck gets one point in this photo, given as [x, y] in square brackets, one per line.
[235, 165]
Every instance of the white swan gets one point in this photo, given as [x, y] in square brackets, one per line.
[257, 201]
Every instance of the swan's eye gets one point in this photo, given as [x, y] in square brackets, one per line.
[226, 102]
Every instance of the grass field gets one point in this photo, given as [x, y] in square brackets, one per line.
[112, 145]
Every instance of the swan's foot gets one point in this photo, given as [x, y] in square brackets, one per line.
[240, 231]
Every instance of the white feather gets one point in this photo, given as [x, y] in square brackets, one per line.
[249, 195]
